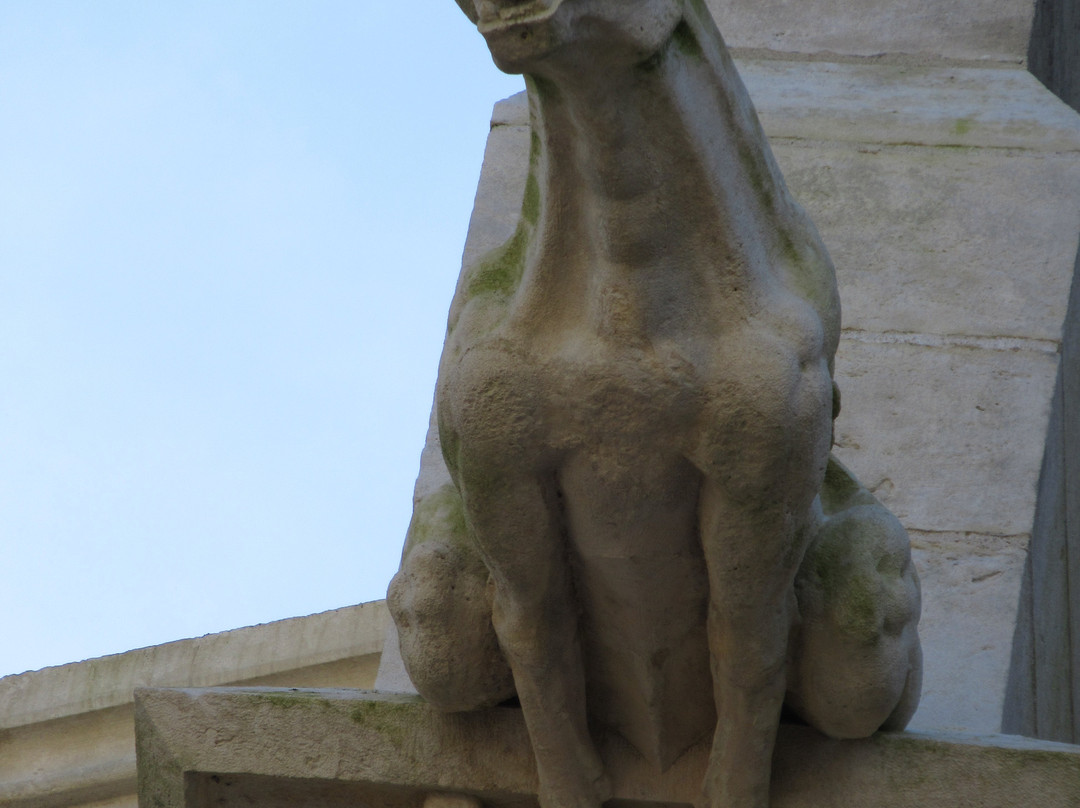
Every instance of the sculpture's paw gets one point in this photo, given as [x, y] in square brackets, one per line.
[856, 658]
[439, 601]
[858, 576]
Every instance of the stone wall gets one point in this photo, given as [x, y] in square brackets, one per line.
[1044, 680]
[964, 30]
[1054, 51]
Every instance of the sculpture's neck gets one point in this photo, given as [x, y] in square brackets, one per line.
[656, 178]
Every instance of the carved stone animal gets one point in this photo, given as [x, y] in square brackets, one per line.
[646, 532]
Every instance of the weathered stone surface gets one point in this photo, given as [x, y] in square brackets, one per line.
[953, 329]
[635, 403]
[862, 102]
[991, 30]
[949, 436]
[902, 104]
[901, 169]
[242, 655]
[274, 747]
[928, 238]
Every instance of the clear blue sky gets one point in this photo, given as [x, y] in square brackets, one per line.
[229, 233]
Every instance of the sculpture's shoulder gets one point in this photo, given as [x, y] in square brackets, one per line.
[486, 287]
[808, 271]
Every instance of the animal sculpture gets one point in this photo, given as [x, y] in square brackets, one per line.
[646, 532]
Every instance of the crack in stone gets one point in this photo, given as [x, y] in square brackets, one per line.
[1031, 344]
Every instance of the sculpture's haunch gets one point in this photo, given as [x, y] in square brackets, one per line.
[646, 531]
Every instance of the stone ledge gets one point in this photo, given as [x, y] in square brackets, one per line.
[272, 747]
[215, 659]
[67, 734]
[946, 196]
[984, 30]
[105, 780]
[882, 104]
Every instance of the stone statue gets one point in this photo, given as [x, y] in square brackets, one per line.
[646, 533]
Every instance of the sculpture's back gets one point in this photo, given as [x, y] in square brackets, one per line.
[635, 404]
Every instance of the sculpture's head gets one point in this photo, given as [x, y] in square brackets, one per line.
[524, 36]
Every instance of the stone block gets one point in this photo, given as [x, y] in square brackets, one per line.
[987, 30]
[947, 196]
[949, 437]
[274, 748]
[971, 585]
[931, 105]
[944, 240]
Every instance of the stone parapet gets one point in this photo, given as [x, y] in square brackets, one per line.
[274, 748]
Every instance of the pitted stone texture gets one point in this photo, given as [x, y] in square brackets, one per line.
[635, 402]
[863, 146]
